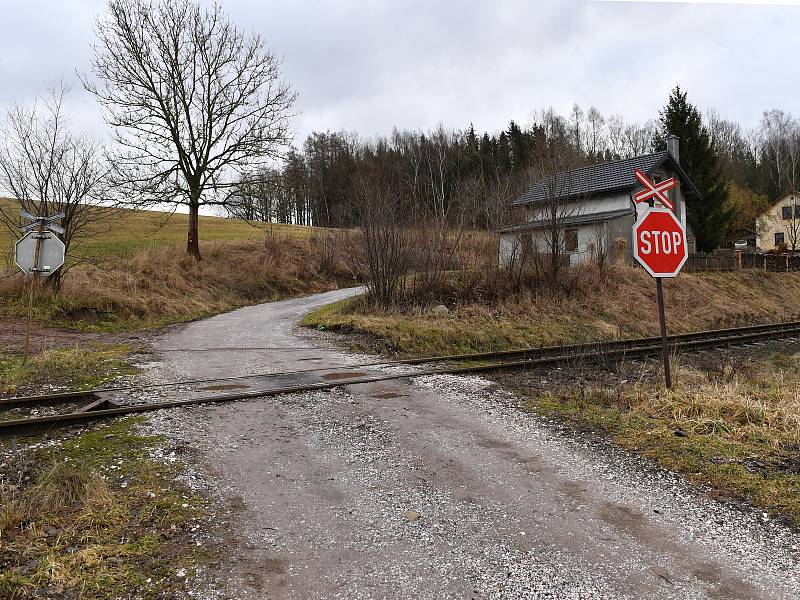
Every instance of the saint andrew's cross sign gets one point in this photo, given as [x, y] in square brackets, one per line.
[654, 191]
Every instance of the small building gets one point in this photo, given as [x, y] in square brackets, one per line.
[780, 225]
[592, 207]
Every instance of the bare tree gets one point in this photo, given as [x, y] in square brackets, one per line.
[595, 137]
[601, 246]
[51, 170]
[576, 121]
[193, 102]
[560, 198]
[379, 246]
[638, 138]
[615, 126]
[780, 136]
[793, 231]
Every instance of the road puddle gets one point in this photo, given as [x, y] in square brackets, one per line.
[343, 375]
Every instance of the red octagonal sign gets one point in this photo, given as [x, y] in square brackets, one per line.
[659, 242]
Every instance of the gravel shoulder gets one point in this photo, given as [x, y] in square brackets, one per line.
[439, 486]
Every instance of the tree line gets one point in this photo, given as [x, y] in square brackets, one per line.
[468, 176]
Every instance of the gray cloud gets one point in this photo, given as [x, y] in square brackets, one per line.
[366, 66]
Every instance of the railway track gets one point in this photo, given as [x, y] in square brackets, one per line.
[110, 402]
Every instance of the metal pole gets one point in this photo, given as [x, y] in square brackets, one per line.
[663, 322]
[34, 275]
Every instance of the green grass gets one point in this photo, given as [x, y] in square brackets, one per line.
[98, 519]
[156, 286]
[79, 368]
[134, 230]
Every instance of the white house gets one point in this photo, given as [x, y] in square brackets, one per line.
[593, 206]
[780, 224]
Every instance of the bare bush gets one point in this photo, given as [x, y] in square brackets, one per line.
[380, 245]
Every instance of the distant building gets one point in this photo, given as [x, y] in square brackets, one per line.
[593, 206]
[780, 224]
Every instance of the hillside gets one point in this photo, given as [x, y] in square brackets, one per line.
[133, 230]
[135, 274]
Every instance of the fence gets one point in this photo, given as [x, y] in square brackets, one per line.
[740, 261]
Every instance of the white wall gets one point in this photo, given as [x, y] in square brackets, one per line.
[585, 207]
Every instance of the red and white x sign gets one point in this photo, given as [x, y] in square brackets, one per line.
[652, 190]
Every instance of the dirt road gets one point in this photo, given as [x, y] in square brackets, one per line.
[437, 487]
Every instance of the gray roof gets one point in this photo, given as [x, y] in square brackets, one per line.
[601, 179]
[584, 219]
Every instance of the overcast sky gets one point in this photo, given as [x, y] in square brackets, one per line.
[368, 65]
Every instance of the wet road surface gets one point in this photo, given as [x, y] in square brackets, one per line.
[438, 487]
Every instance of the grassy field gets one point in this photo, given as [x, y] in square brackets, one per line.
[135, 230]
[156, 286]
[74, 368]
[136, 275]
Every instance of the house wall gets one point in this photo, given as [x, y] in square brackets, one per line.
[772, 222]
[582, 207]
[604, 234]
[618, 228]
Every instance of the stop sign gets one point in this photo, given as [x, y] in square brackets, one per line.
[659, 242]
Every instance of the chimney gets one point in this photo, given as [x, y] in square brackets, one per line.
[673, 147]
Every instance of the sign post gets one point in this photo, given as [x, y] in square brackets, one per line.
[659, 245]
[38, 253]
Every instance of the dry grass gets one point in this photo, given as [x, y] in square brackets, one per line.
[155, 286]
[755, 405]
[623, 304]
[82, 367]
[95, 517]
[732, 421]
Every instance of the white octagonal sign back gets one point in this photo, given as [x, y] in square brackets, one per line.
[51, 253]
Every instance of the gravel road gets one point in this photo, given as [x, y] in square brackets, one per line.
[438, 487]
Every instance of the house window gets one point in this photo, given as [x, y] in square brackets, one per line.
[778, 238]
[786, 213]
[797, 211]
[571, 240]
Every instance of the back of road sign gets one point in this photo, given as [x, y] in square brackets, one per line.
[51, 253]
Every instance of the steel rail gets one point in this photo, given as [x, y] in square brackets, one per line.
[607, 345]
[37, 423]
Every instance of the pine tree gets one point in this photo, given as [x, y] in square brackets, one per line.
[519, 144]
[708, 216]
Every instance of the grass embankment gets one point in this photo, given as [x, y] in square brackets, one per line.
[623, 305]
[96, 517]
[156, 286]
[733, 426]
[76, 368]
